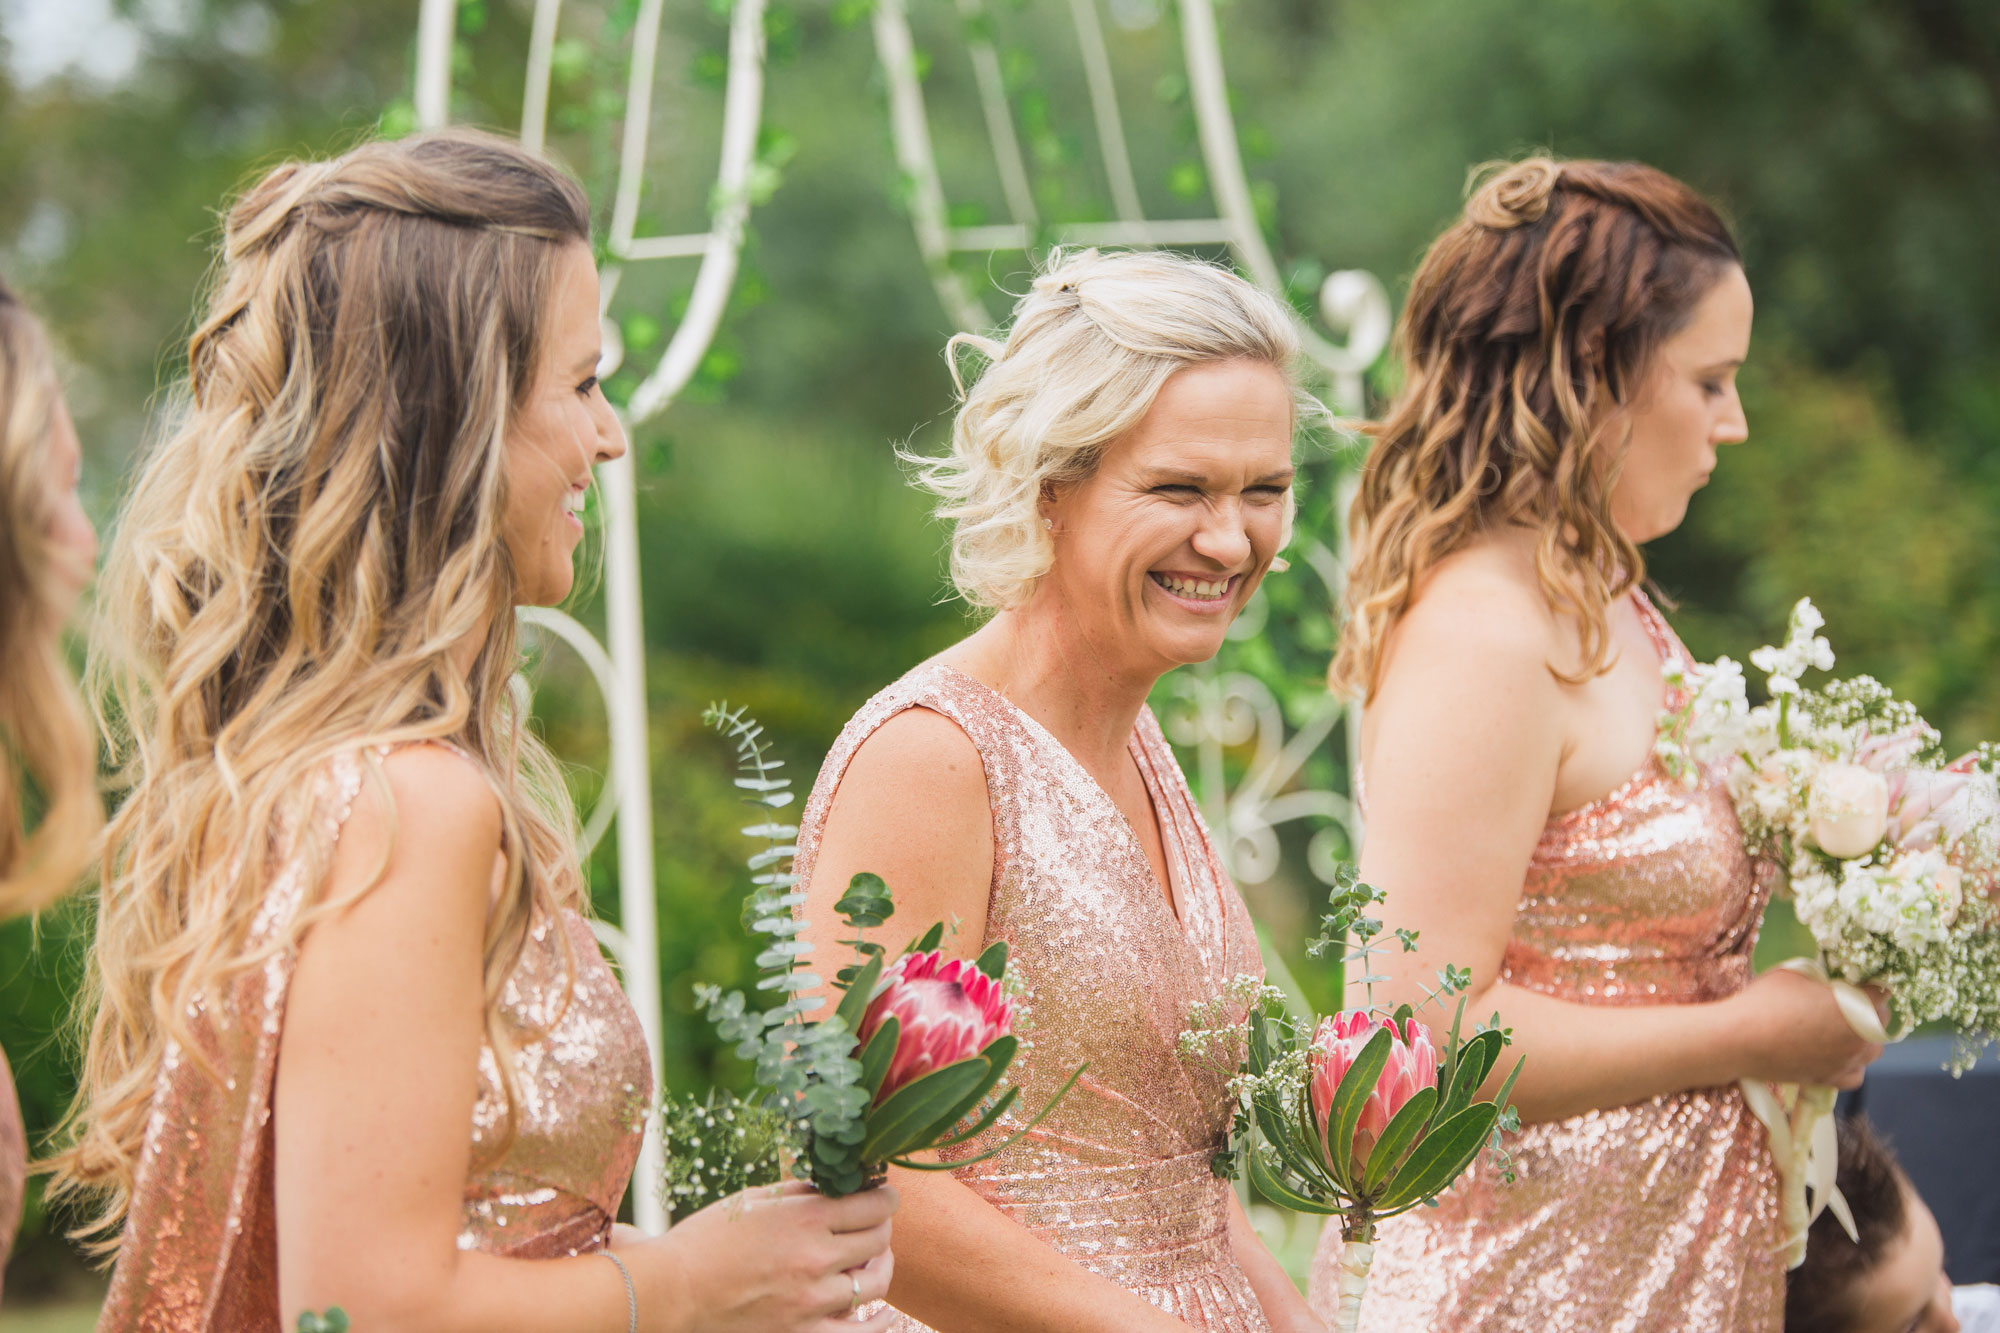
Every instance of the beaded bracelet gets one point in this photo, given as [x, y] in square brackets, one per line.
[631, 1293]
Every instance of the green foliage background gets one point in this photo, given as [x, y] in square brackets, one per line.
[788, 568]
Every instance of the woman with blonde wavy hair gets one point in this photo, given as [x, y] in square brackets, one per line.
[352, 1042]
[1119, 482]
[1570, 348]
[47, 548]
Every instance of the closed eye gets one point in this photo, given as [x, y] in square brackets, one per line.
[1177, 491]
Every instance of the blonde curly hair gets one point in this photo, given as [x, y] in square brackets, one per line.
[1092, 342]
[45, 738]
[305, 566]
[1529, 329]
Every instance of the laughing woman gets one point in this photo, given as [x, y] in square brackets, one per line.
[1119, 481]
[353, 1043]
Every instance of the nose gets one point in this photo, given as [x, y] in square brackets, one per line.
[610, 435]
[1734, 428]
[1222, 536]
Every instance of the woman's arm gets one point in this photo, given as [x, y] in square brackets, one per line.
[377, 1077]
[1465, 742]
[1276, 1293]
[912, 808]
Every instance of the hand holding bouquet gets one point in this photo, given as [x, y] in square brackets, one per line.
[1359, 1115]
[1892, 855]
[912, 1055]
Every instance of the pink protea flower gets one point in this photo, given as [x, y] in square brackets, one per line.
[949, 1010]
[1413, 1064]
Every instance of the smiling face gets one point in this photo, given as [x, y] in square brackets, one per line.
[560, 431]
[1686, 409]
[1159, 549]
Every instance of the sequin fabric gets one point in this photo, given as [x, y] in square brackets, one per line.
[1118, 1177]
[1661, 1215]
[13, 1163]
[200, 1248]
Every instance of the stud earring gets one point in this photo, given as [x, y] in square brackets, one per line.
[1049, 523]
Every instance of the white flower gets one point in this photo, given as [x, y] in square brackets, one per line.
[1849, 810]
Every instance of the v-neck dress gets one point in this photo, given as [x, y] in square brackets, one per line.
[1654, 1217]
[1118, 1178]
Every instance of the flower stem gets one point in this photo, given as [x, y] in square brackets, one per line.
[1357, 1256]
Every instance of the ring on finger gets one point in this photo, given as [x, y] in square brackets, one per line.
[854, 1303]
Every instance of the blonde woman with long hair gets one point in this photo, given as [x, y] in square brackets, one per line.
[352, 1042]
[1119, 482]
[47, 548]
[1571, 348]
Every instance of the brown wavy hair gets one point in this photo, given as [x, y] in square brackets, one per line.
[304, 567]
[1530, 327]
[45, 738]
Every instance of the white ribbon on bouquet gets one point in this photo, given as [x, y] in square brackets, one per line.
[1800, 1122]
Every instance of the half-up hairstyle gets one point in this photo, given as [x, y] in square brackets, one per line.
[305, 566]
[1530, 328]
[45, 739]
[1092, 343]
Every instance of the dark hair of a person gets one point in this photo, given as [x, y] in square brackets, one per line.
[1531, 325]
[1819, 1293]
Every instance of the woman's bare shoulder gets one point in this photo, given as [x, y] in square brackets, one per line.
[433, 818]
[917, 760]
[1481, 609]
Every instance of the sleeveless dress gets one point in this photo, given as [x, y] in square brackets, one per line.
[200, 1246]
[1118, 1177]
[1654, 1217]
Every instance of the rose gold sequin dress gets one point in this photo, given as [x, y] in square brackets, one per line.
[13, 1163]
[200, 1248]
[1655, 1217]
[1118, 1177]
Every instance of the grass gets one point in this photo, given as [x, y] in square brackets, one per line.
[70, 1317]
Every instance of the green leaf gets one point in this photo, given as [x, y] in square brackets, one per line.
[1356, 1086]
[1278, 1191]
[1390, 1149]
[854, 1004]
[985, 1122]
[914, 1110]
[994, 961]
[999, 1053]
[1474, 1062]
[929, 940]
[879, 1053]
[1445, 1153]
[1020, 1134]
[867, 902]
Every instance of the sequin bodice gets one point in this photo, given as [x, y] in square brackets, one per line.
[1118, 1177]
[1656, 1217]
[199, 1252]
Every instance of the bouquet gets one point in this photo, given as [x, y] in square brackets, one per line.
[1360, 1115]
[1890, 852]
[912, 1056]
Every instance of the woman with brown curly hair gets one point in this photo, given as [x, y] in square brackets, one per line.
[47, 548]
[1571, 348]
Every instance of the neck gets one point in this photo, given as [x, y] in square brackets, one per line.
[1048, 665]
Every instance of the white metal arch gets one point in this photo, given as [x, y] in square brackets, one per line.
[619, 667]
[1216, 709]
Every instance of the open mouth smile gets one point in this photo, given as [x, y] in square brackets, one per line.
[1195, 593]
